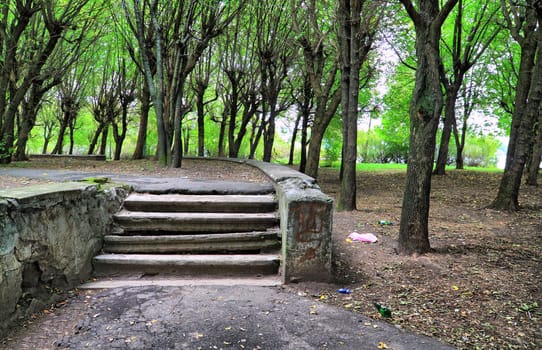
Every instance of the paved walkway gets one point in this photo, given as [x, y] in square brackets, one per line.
[212, 317]
[201, 317]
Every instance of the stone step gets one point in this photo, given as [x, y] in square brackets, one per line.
[218, 242]
[195, 222]
[186, 265]
[200, 203]
[200, 187]
[181, 281]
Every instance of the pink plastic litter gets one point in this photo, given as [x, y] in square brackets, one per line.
[363, 237]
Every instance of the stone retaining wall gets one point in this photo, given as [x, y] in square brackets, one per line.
[48, 236]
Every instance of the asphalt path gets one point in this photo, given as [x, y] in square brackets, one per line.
[211, 317]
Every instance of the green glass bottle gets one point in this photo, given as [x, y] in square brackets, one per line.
[384, 311]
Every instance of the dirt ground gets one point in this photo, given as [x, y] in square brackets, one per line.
[479, 289]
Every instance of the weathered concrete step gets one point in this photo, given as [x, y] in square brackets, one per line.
[183, 265]
[200, 203]
[195, 222]
[185, 186]
[186, 281]
[218, 242]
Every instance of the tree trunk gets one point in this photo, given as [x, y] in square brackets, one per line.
[180, 110]
[508, 195]
[29, 113]
[352, 56]
[222, 135]
[304, 136]
[22, 139]
[201, 122]
[460, 144]
[103, 143]
[141, 143]
[256, 136]
[449, 120]
[269, 136]
[71, 133]
[233, 104]
[186, 139]
[27, 123]
[313, 153]
[47, 135]
[292, 141]
[61, 131]
[322, 119]
[528, 50]
[536, 158]
[425, 109]
[45, 145]
[94, 140]
[524, 117]
[250, 105]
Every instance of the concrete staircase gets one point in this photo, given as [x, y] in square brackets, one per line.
[203, 235]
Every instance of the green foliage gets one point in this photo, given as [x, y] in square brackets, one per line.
[5, 151]
[481, 151]
[395, 128]
[332, 142]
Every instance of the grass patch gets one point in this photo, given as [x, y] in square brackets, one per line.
[391, 167]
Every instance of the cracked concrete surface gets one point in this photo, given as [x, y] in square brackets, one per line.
[211, 317]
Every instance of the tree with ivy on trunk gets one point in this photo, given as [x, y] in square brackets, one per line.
[425, 109]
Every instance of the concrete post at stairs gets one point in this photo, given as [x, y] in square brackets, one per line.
[306, 225]
[306, 222]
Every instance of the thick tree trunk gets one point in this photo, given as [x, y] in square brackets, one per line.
[22, 139]
[425, 109]
[528, 50]
[61, 131]
[508, 195]
[525, 115]
[27, 123]
[7, 137]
